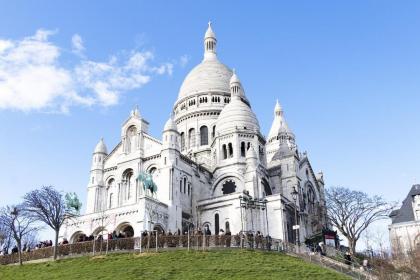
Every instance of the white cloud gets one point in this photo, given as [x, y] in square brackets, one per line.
[32, 77]
[183, 61]
[77, 44]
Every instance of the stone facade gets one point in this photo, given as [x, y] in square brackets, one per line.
[404, 232]
[210, 153]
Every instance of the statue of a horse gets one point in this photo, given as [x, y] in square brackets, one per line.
[73, 202]
[147, 180]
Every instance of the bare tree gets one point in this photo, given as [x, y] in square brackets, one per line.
[351, 212]
[20, 225]
[47, 205]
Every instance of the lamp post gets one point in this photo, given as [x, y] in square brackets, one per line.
[295, 194]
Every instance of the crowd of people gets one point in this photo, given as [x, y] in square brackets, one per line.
[25, 248]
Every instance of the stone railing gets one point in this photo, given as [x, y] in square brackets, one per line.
[146, 243]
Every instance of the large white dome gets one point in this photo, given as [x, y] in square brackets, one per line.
[210, 75]
[237, 115]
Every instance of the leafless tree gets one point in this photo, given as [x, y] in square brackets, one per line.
[47, 205]
[351, 212]
[14, 219]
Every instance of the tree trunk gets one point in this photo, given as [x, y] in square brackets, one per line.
[56, 245]
[19, 244]
[352, 246]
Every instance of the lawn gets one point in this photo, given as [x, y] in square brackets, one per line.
[184, 265]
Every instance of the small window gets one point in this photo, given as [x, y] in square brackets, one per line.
[242, 149]
[230, 150]
[204, 135]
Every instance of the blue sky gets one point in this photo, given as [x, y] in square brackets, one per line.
[346, 73]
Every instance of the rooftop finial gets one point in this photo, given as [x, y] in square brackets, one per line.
[277, 108]
[209, 43]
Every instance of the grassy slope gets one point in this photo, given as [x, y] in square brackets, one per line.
[173, 265]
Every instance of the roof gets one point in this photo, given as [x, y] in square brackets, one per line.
[208, 76]
[101, 147]
[406, 213]
[170, 125]
[237, 115]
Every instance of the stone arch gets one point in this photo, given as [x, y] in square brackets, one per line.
[159, 228]
[131, 138]
[128, 183]
[100, 231]
[110, 190]
[229, 176]
[77, 237]
[126, 229]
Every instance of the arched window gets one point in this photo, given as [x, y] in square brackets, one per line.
[242, 149]
[224, 151]
[248, 146]
[227, 227]
[230, 150]
[191, 138]
[213, 132]
[185, 184]
[110, 187]
[182, 141]
[204, 135]
[131, 137]
[128, 182]
[229, 187]
[216, 224]
[180, 186]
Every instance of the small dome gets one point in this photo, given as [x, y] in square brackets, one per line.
[170, 125]
[208, 76]
[251, 153]
[234, 78]
[237, 115]
[101, 147]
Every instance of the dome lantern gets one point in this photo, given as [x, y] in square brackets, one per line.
[235, 86]
[210, 43]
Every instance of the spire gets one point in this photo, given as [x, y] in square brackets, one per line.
[279, 129]
[135, 112]
[235, 86]
[209, 43]
[278, 110]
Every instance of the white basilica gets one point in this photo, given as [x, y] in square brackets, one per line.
[211, 152]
